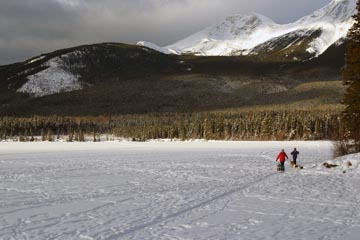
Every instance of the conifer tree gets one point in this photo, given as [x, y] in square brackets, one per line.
[351, 74]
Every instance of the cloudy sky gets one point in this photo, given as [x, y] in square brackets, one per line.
[31, 27]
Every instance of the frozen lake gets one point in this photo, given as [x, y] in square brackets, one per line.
[175, 190]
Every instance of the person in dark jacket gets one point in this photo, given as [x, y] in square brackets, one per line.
[282, 158]
[294, 154]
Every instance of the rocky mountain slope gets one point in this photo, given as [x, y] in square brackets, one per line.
[112, 78]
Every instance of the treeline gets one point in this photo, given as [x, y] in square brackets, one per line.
[232, 125]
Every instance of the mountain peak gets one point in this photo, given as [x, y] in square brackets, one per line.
[337, 1]
[249, 18]
[337, 10]
[238, 25]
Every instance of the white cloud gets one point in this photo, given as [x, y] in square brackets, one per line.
[71, 3]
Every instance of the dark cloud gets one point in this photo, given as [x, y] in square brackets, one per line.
[32, 27]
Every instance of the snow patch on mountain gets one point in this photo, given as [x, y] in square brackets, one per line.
[54, 79]
[36, 59]
[156, 47]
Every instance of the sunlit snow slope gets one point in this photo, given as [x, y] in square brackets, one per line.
[240, 34]
[54, 78]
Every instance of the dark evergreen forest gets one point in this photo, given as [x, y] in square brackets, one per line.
[223, 125]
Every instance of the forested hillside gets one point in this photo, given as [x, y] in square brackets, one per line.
[113, 79]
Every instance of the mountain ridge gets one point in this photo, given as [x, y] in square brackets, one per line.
[240, 34]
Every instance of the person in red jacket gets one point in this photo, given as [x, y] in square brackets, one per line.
[282, 158]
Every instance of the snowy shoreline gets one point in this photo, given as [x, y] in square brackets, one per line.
[154, 144]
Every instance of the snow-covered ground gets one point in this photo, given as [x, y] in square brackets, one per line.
[175, 190]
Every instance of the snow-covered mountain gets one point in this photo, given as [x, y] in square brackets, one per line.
[253, 34]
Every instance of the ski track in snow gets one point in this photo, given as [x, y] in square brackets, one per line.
[175, 190]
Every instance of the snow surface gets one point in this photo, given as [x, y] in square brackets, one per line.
[155, 47]
[36, 59]
[54, 79]
[175, 190]
[239, 34]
